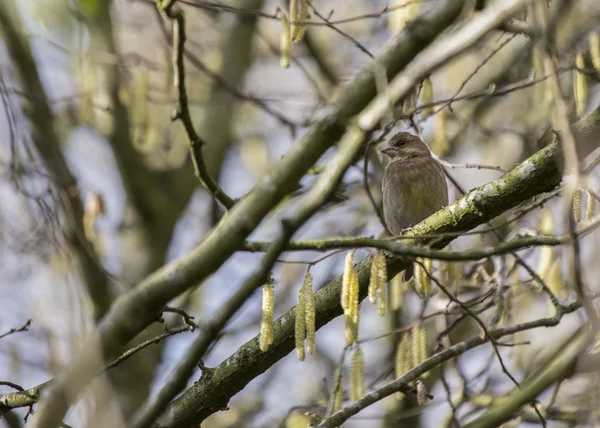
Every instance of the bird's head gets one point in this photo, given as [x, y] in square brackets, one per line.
[405, 145]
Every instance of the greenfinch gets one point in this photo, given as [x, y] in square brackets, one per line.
[414, 185]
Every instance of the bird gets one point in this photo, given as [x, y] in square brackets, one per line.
[414, 185]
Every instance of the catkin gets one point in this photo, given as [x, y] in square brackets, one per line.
[415, 346]
[580, 87]
[286, 41]
[577, 205]
[423, 354]
[298, 16]
[451, 273]
[595, 50]
[590, 208]
[351, 330]
[377, 290]
[310, 313]
[397, 288]
[382, 300]
[350, 301]
[427, 98]
[346, 281]
[421, 393]
[542, 90]
[422, 280]
[374, 279]
[428, 269]
[546, 251]
[402, 360]
[338, 391]
[357, 374]
[268, 311]
[440, 134]
[300, 328]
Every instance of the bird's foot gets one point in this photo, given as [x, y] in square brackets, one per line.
[406, 230]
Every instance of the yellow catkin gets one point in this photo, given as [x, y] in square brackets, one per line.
[402, 360]
[300, 328]
[353, 293]
[298, 16]
[421, 393]
[351, 330]
[590, 208]
[440, 135]
[444, 271]
[542, 89]
[374, 282]
[349, 299]
[293, 18]
[310, 313]
[423, 354]
[346, 281]
[286, 41]
[378, 280]
[595, 50]
[546, 252]
[454, 275]
[428, 269]
[357, 375]
[382, 300]
[268, 311]
[93, 208]
[401, 12]
[415, 346]
[427, 98]
[580, 87]
[382, 270]
[577, 205]
[338, 391]
[422, 280]
[397, 288]
[419, 279]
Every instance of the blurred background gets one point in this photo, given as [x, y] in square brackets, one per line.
[107, 75]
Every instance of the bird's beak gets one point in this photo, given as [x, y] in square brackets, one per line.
[388, 150]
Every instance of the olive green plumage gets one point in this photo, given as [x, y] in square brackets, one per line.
[414, 185]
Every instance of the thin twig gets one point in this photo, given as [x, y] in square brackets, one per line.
[182, 110]
[24, 327]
